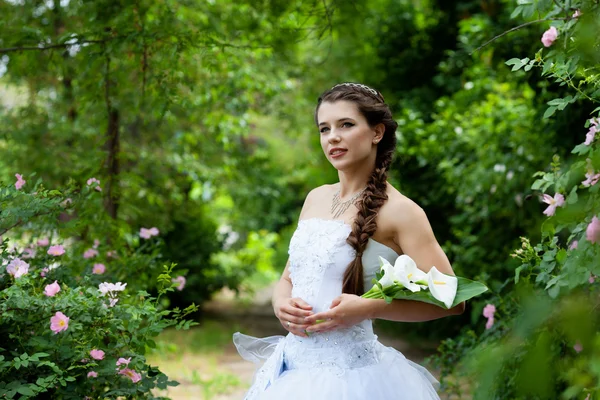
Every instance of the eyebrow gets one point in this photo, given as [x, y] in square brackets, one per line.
[339, 120]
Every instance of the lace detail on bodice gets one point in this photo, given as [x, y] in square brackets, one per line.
[319, 256]
[337, 351]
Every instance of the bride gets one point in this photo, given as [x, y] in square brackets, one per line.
[331, 352]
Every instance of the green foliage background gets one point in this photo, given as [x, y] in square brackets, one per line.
[197, 118]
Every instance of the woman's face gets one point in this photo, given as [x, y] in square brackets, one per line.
[346, 138]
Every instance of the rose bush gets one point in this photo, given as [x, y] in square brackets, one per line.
[541, 339]
[75, 317]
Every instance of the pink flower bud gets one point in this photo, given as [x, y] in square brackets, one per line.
[51, 289]
[549, 36]
[97, 354]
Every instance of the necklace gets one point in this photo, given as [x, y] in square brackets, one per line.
[339, 207]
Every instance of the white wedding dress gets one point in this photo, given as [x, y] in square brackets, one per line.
[346, 364]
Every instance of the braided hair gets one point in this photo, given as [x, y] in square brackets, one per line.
[372, 106]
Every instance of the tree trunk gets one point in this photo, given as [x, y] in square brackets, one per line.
[111, 197]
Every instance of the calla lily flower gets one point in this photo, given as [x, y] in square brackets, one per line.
[387, 279]
[443, 287]
[404, 269]
[411, 273]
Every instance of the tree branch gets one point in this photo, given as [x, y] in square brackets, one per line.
[52, 46]
[515, 29]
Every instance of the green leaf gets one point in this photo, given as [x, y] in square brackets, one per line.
[581, 149]
[549, 112]
[25, 391]
[518, 273]
[572, 197]
[467, 289]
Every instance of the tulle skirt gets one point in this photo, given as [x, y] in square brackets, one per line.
[289, 370]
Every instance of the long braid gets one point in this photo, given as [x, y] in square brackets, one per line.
[372, 105]
[365, 223]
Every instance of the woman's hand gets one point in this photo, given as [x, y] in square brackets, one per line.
[292, 312]
[345, 311]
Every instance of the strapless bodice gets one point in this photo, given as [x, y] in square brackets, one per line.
[319, 256]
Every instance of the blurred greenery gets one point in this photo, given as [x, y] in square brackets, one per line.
[197, 119]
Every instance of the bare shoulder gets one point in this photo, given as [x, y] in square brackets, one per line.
[320, 192]
[400, 212]
[315, 198]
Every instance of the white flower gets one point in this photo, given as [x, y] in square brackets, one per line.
[387, 279]
[408, 274]
[106, 287]
[443, 287]
[53, 266]
[17, 268]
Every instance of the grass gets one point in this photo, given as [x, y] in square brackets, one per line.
[195, 358]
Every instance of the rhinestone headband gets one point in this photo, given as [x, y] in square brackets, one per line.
[361, 86]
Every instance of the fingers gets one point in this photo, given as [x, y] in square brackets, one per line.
[298, 302]
[323, 326]
[293, 308]
[322, 316]
[336, 302]
[298, 320]
[296, 329]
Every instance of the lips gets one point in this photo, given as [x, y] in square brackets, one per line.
[337, 151]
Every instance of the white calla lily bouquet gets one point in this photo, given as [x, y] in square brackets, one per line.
[404, 280]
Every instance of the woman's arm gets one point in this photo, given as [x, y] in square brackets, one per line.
[417, 240]
[291, 311]
[414, 236]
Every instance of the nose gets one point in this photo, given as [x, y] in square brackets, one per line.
[334, 136]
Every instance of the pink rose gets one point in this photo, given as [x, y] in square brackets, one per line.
[148, 233]
[145, 233]
[592, 233]
[574, 245]
[592, 279]
[488, 312]
[28, 253]
[17, 268]
[549, 36]
[92, 374]
[51, 289]
[98, 269]
[591, 178]
[20, 181]
[57, 250]
[123, 361]
[59, 322]
[43, 242]
[97, 354]
[44, 272]
[134, 376]
[591, 134]
[89, 253]
[557, 201]
[578, 347]
[181, 282]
